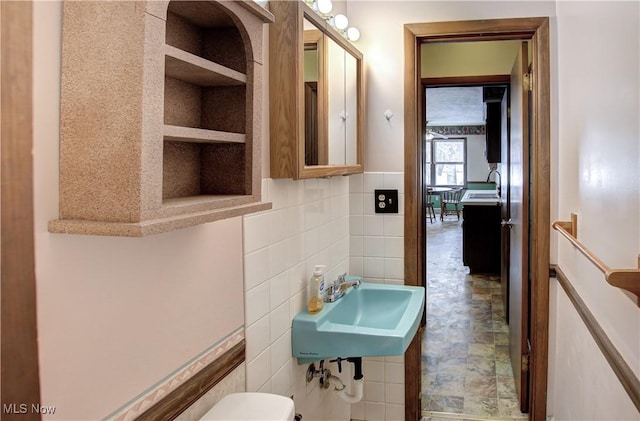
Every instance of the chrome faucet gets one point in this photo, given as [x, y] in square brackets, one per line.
[498, 182]
[338, 288]
[355, 283]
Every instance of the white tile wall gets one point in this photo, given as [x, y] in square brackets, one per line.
[377, 240]
[308, 225]
[330, 222]
[377, 254]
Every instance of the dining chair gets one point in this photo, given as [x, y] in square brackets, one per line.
[430, 209]
[449, 203]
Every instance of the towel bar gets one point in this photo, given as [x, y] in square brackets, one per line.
[627, 279]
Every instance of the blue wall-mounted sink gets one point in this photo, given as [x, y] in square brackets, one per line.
[373, 320]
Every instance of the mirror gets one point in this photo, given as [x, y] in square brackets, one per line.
[337, 115]
[342, 109]
[352, 99]
[316, 123]
[331, 79]
[315, 145]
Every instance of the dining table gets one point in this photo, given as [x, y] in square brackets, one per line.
[438, 190]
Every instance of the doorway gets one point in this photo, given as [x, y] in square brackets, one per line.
[536, 30]
[466, 368]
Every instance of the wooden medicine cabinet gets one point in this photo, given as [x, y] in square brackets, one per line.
[161, 115]
[316, 96]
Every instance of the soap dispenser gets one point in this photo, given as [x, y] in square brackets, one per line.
[315, 290]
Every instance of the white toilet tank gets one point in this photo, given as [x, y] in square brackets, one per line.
[252, 407]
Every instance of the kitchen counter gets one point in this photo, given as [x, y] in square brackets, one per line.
[480, 198]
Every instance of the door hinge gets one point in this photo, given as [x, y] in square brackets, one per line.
[525, 363]
[527, 80]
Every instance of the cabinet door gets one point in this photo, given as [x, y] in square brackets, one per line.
[337, 117]
[337, 113]
[351, 108]
[493, 136]
[481, 238]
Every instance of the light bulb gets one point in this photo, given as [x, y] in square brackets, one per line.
[324, 6]
[341, 22]
[353, 34]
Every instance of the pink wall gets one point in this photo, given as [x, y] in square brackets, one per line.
[117, 315]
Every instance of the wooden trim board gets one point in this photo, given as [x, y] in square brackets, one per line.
[20, 367]
[185, 395]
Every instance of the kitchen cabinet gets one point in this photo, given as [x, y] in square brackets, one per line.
[481, 238]
[493, 132]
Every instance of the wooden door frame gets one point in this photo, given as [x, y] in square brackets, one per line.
[537, 30]
[20, 372]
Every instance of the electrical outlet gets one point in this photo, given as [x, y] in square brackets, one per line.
[386, 201]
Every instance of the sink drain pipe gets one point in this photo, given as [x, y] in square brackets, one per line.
[358, 380]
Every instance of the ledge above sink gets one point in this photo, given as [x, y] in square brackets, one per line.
[372, 320]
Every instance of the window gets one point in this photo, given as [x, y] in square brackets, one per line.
[445, 162]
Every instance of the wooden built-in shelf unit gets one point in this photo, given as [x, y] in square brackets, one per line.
[161, 112]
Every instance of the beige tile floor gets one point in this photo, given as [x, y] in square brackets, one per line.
[465, 361]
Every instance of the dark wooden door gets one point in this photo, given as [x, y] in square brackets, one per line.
[505, 198]
[519, 235]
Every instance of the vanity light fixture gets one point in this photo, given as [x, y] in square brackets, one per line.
[323, 6]
[339, 21]
[353, 34]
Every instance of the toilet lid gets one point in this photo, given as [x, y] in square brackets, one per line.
[252, 406]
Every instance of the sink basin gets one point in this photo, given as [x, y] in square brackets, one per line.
[483, 196]
[373, 320]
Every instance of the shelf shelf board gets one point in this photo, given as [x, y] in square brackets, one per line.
[153, 226]
[196, 70]
[193, 135]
